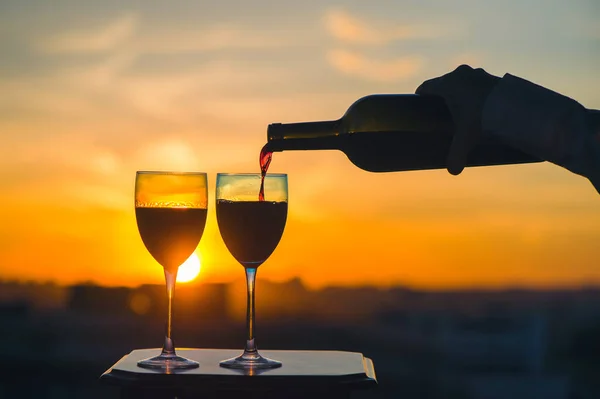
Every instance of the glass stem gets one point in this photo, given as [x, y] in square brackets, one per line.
[250, 280]
[170, 277]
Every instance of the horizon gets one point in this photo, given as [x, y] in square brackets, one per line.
[240, 281]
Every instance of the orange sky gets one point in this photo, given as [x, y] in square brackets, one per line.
[91, 94]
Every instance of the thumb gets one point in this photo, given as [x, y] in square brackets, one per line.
[432, 87]
[457, 156]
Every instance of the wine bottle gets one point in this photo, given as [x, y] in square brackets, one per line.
[384, 133]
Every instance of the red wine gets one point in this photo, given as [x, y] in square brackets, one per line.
[171, 235]
[251, 230]
[265, 161]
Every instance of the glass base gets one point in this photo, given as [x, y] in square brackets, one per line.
[250, 360]
[168, 363]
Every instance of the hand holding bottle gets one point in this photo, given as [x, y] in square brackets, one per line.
[464, 118]
[522, 115]
[465, 90]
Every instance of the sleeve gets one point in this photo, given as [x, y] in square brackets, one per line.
[543, 123]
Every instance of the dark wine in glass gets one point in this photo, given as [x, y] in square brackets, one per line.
[170, 234]
[251, 229]
[170, 209]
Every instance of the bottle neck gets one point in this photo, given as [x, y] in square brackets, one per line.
[322, 135]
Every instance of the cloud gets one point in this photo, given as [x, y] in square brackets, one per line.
[124, 34]
[211, 39]
[112, 91]
[95, 40]
[66, 151]
[104, 73]
[356, 64]
[351, 29]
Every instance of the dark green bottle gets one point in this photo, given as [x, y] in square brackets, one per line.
[385, 133]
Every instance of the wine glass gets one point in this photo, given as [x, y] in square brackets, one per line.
[251, 229]
[170, 209]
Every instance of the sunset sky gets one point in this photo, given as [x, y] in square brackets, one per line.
[92, 91]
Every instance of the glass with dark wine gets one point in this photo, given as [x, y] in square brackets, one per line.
[170, 210]
[251, 227]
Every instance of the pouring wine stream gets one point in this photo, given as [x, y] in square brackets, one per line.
[265, 160]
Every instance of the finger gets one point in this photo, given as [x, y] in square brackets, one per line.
[457, 156]
[465, 139]
[462, 69]
[430, 87]
[437, 86]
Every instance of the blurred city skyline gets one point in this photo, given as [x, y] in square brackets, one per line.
[91, 92]
[453, 344]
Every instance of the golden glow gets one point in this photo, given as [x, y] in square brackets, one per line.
[194, 97]
[189, 270]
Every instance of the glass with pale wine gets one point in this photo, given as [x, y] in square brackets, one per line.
[251, 226]
[170, 209]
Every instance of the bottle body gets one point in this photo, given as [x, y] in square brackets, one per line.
[385, 133]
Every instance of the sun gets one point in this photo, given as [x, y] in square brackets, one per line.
[189, 269]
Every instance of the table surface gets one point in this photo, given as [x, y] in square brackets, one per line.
[303, 369]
